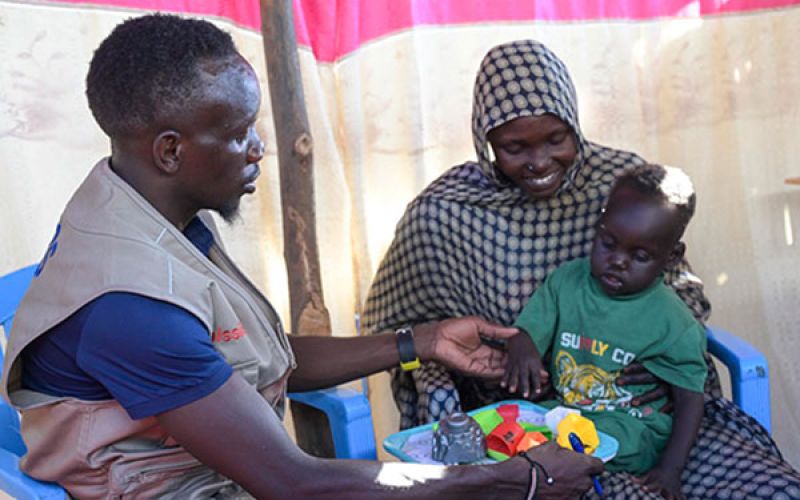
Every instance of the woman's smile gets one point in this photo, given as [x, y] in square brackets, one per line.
[543, 183]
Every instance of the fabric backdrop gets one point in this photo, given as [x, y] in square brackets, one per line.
[712, 86]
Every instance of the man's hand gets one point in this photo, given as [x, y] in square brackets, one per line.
[456, 343]
[636, 374]
[524, 370]
[666, 482]
[571, 472]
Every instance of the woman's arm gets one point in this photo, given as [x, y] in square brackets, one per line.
[456, 343]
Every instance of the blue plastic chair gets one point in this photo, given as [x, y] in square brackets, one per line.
[347, 410]
[350, 419]
[12, 480]
[749, 373]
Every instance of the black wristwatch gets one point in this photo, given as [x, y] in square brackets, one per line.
[405, 346]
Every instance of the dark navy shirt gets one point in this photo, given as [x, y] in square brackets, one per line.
[149, 355]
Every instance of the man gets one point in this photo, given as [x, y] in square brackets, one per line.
[143, 361]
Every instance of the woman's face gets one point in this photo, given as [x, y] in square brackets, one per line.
[534, 152]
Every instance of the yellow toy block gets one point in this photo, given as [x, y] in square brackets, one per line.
[581, 426]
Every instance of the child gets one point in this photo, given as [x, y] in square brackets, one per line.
[599, 314]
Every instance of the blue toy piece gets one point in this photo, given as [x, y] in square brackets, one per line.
[348, 413]
[577, 445]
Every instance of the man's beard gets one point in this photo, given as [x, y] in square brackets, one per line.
[230, 210]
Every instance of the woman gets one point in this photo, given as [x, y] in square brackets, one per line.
[481, 238]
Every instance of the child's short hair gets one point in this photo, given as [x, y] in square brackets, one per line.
[669, 183]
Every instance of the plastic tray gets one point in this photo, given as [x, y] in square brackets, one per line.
[415, 444]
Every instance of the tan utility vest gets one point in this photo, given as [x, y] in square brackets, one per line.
[112, 239]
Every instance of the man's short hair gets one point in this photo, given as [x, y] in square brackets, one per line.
[670, 184]
[147, 68]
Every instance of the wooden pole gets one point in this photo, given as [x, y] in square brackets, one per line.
[295, 160]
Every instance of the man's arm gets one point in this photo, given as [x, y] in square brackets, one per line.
[456, 343]
[234, 431]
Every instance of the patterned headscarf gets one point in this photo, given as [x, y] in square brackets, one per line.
[520, 79]
[474, 243]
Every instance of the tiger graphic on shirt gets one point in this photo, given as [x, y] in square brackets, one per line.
[589, 387]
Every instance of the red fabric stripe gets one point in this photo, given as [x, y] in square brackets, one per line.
[243, 12]
[334, 28]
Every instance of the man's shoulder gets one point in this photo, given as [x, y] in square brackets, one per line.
[131, 304]
[101, 318]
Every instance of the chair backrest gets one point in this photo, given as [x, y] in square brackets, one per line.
[12, 288]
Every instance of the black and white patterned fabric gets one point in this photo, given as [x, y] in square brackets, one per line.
[473, 243]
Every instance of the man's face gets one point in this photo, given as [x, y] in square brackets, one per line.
[636, 238]
[534, 152]
[220, 148]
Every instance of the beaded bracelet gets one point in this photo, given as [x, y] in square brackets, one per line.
[533, 481]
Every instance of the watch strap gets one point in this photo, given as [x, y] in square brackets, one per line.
[405, 346]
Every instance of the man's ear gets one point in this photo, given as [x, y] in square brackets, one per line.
[167, 151]
[676, 254]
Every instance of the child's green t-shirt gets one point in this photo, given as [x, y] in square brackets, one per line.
[593, 337]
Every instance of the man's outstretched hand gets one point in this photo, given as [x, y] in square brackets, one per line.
[571, 472]
[456, 343]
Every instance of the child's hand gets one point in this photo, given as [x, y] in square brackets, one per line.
[524, 370]
[666, 481]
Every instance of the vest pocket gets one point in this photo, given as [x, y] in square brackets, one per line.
[157, 480]
[247, 369]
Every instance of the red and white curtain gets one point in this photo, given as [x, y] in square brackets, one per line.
[710, 85]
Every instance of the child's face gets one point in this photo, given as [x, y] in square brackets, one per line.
[636, 238]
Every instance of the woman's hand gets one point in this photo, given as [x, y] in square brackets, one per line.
[636, 374]
[524, 370]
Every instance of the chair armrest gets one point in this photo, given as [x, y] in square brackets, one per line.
[21, 486]
[749, 373]
[350, 419]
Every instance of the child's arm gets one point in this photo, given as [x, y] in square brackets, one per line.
[666, 476]
[524, 368]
